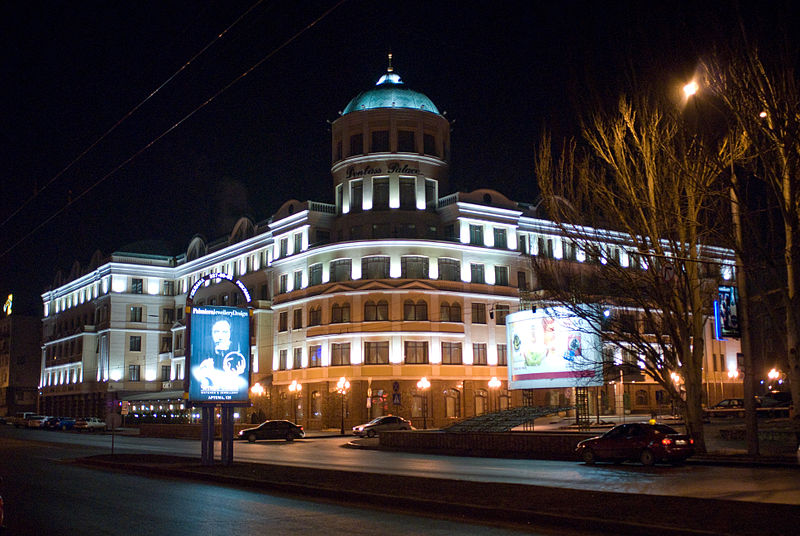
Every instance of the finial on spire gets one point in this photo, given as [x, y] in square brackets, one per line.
[389, 70]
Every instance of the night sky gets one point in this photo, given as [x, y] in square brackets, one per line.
[502, 71]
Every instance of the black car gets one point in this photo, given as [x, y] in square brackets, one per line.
[273, 430]
[643, 442]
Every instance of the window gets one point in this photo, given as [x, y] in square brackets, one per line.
[429, 144]
[414, 267]
[133, 373]
[430, 194]
[380, 194]
[408, 193]
[376, 353]
[476, 235]
[316, 404]
[522, 281]
[479, 353]
[298, 280]
[297, 319]
[450, 312]
[179, 341]
[405, 141]
[500, 240]
[451, 353]
[315, 316]
[501, 276]
[415, 311]
[284, 247]
[166, 344]
[137, 286]
[356, 144]
[500, 314]
[642, 398]
[315, 356]
[449, 270]
[476, 271]
[135, 343]
[416, 352]
[315, 274]
[478, 313]
[283, 321]
[340, 270]
[502, 355]
[340, 354]
[283, 283]
[136, 314]
[165, 373]
[282, 364]
[356, 196]
[375, 268]
[298, 244]
[376, 311]
[168, 316]
[481, 399]
[340, 313]
[297, 362]
[168, 289]
[380, 141]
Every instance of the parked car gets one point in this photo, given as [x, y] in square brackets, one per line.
[382, 424]
[90, 424]
[730, 407]
[59, 423]
[36, 421]
[273, 430]
[646, 443]
[20, 420]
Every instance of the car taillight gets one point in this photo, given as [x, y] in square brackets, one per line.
[691, 441]
[666, 441]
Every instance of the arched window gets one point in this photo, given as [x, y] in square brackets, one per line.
[315, 316]
[481, 401]
[452, 403]
[642, 398]
[376, 311]
[316, 404]
[415, 311]
[340, 313]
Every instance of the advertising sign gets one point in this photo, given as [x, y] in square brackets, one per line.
[552, 348]
[726, 313]
[220, 354]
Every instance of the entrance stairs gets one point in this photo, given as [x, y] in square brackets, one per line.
[503, 421]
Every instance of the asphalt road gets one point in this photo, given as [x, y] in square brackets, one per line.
[753, 484]
[44, 494]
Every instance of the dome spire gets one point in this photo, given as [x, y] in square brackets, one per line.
[389, 70]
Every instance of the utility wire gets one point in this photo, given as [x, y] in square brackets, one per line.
[170, 129]
[126, 116]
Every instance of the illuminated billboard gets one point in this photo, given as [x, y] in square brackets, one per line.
[726, 313]
[552, 348]
[219, 363]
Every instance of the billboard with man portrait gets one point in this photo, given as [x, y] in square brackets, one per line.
[219, 366]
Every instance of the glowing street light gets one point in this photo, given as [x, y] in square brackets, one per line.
[423, 385]
[341, 387]
[257, 389]
[691, 89]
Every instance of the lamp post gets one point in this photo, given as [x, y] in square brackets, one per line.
[494, 384]
[295, 389]
[341, 387]
[691, 90]
[423, 385]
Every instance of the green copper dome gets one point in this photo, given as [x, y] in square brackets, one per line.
[390, 92]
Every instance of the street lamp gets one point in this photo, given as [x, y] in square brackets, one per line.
[423, 385]
[341, 387]
[494, 383]
[295, 389]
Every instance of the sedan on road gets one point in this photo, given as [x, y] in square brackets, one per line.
[382, 424]
[646, 443]
[273, 430]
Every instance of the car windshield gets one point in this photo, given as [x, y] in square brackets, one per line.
[376, 420]
[664, 429]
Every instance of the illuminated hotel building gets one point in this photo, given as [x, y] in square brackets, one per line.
[398, 280]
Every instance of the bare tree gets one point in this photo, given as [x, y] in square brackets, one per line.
[760, 93]
[641, 201]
